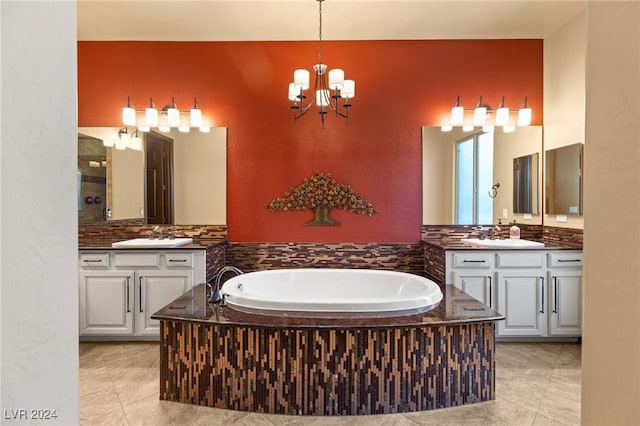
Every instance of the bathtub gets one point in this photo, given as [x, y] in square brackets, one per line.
[331, 292]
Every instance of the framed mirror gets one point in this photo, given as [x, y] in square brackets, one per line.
[563, 180]
[198, 178]
[439, 174]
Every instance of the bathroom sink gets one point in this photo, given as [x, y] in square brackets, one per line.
[515, 243]
[145, 242]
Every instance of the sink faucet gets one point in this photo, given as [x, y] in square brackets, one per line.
[215, 296]
[159, 231]
[495, 232]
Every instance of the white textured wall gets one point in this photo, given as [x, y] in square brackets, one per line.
[38, 217]
[564, 95]
[611, 338]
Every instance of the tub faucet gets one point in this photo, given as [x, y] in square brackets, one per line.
[215, 296]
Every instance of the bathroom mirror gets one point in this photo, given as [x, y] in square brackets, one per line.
[198, 169]
[525, 184]
[439, 166]
[563, 180]
[92, 180]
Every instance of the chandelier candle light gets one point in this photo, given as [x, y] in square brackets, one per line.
[170, 117]
[485, 117]
[322, 95]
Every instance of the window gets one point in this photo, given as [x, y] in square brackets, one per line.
[474, 177]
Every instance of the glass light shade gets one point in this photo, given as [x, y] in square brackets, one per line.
[151, 117]
[128, 116]
[165, 129]
[348, 90]
[122, 141]
[196, 117]
[184, 129]
[135, 143]
[479, 116]
[301, 79]
[467, 128]
[524, 117]
[293, 92]
[336, 79]
[502, 116]
[446, 127]
[173, 117]
[457, 116]
[205, 129]
[509, 128]
[322, 98]
[144, 128]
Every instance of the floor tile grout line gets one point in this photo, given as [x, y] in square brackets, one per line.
[115, 391]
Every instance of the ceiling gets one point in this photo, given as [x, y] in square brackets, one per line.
[244, 20]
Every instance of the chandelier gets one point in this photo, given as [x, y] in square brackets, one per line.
[165, 119]
[487, 118]
[328, 87]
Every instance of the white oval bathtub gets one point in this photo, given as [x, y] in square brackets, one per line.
[331, 292]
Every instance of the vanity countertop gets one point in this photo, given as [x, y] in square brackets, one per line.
[456, 307]
[105, 244]
[455, 244]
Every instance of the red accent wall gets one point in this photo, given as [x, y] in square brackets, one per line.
[400, 86]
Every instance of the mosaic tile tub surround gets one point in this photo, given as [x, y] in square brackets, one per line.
[223, 358]
[326, 372]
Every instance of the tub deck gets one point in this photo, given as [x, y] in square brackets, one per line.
[223, 358]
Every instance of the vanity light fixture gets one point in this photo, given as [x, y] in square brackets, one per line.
[486, 117]
[321, 95]
[128, 140]
[165, 119]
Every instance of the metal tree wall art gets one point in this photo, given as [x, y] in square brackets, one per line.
[321, 193]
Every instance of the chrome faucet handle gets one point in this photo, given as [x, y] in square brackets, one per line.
[151, 237]
[172, 235]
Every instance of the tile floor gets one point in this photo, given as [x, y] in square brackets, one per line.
[536, 384]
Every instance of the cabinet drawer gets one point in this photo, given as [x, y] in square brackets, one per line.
[475, 260]
[179, 260]
[519, 260]
[137, 259]
[94, 260]
[565, 260]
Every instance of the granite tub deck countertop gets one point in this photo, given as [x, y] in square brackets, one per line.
[105, 244]
[455, 244]
[455, 308]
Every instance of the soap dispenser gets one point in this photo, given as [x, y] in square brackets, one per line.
[514, 231]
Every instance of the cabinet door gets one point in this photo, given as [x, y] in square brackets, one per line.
[106, 303]
[477, 284]
[157, 289]
[521, 299]
[565, 287]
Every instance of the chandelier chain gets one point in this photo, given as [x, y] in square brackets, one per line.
[320, 31]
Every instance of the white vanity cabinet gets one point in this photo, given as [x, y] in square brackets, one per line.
[521, 293]
[565, 292]
[472, 272]
[120, 290]
[538, 291]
